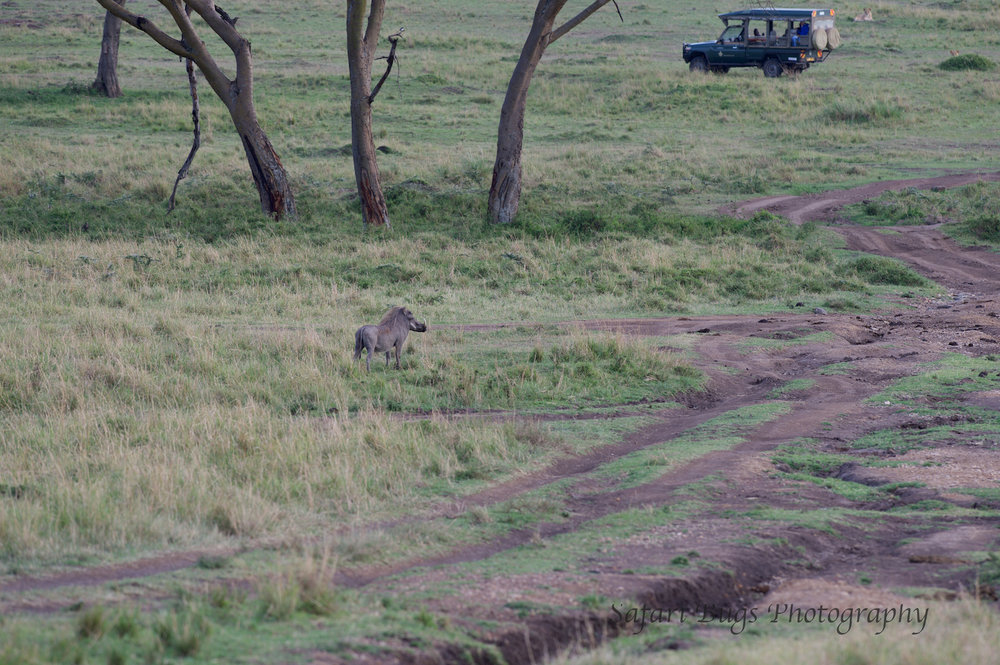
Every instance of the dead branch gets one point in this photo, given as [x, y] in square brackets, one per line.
[580, 18]
[226, 17]
[196, 117]
[390, 59]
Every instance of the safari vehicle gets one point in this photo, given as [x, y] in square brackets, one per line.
[778, 41]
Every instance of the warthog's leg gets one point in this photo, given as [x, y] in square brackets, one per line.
[397, 356]
[387, 358]
[368, 360]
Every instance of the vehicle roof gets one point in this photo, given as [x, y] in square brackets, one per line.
[794, 14]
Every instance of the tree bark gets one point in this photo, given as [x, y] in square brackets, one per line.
[107, 66]
[269, 175]
[361, 43]
[505, 188]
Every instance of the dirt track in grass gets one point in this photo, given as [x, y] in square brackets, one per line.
[742, 543]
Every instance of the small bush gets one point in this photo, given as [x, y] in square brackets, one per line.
[882, 270]
[306, 586]
[985, 227]
[91, 623]
[182, 633]
[126, 625]
[968, 61]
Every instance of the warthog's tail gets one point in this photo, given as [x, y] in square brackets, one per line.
[358, 344]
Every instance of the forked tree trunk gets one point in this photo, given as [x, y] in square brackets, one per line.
[107, 66]
[269, 175]
[361, 42]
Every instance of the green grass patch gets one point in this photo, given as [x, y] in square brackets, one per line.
[791, 387]
[848, 490]
[751, 344]
[719, 433]
[945, 382]
[799, 457]
[970, 213]
[883, 112]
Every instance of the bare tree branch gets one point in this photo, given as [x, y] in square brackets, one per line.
[393, 39]
[580, 18]
[226, 17]
[196, 117]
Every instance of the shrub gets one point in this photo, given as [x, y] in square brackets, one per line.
[985, 227]
[882, 270]
[968, 61]
[91, 623]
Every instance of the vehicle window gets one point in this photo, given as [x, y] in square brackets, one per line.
[785, 30]
[733, 33]
[757, 33]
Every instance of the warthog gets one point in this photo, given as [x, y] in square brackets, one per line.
[390, 333]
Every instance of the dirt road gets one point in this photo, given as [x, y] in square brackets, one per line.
[736, 526]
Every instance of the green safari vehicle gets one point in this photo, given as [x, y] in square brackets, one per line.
[779, 41]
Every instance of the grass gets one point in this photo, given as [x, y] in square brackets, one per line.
[791, 387]
[720, 433]
[184, 380]
[968, 208]
[439, 125]
[753, 344]
[943, 382]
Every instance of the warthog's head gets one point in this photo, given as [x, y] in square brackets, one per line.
[415, 325]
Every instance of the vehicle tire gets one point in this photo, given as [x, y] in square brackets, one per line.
[819, 39]
[772, 68]
[833, 39]
[699, 64]
[719, 69]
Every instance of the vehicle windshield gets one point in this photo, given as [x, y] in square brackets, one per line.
[733, 33]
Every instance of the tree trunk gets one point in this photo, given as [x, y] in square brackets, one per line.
[505, 189]
[107, 67]
[360, 54]
[373, 207]
[269, 175]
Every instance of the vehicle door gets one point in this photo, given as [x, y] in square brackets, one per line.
[730, 48]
